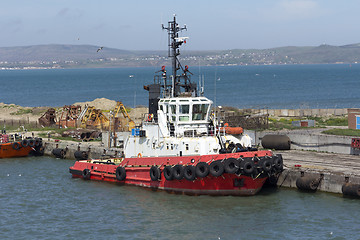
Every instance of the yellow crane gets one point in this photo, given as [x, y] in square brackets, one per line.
[125, 124]
[94, 118]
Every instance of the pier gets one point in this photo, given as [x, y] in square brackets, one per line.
[332, 170]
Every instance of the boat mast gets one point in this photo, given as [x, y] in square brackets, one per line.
[175, 42]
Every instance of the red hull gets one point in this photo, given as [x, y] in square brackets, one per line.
[138, 173]
[14, 149]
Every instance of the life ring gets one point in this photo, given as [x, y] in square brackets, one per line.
[178, 171]
[168, 173]
[86, 174]
[120, 173]
[190, 173]
[16, 146]
[231, 165]
[202, 169]
[139, 155]
[24, 143]
[150, 117]
[155, 173]
[216, 168]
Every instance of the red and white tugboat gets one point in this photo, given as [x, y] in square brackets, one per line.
[180, 146]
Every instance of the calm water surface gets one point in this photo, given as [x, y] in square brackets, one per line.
[283, 86]
[40, 200]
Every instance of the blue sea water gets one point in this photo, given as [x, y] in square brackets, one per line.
[40, 200]
[274, 87]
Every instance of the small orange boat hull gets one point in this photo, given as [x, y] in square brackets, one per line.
[14, 149]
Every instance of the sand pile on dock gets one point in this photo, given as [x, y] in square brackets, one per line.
[99, 103]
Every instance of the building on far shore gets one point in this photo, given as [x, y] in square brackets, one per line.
[354, 118]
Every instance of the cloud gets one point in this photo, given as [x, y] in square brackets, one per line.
[63, 12]
[299, 8]
[293, 10]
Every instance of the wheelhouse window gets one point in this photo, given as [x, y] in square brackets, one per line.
[184, 111]
[173, 112]
[199, 112]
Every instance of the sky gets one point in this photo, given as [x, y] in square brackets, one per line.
[212, 25]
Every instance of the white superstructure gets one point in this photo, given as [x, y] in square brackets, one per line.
[180, 121]
[185, 126]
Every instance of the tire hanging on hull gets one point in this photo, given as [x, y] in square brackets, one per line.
[120, 173]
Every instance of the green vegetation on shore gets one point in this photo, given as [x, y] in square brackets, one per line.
[286, 123]
[343, 132]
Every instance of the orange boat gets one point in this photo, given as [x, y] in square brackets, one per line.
[21, 148]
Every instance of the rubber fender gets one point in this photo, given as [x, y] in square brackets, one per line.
[307, 183]
[277, 142]
[155, 173]
[25, 143]
[168, 173]
[247, 166]
[86, 174]
[266, 164]
[37, 142]
[31, 142]
[351, 189]
[231, 165]
[81, 155]
[178, 171]
[189, 173]
[278, 162]
[202, 169]
[16, 145]
[120, 173]
[59, 153]
[216, 168]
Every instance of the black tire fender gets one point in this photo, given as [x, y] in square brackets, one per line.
[202, 169]
[278, 162]
[178, 171]
[248, 167]
[24, 143]
[86, 174]
[16, 145]
[266, 165]
[231, 165]
[190, 173]
[168, 173]
[216, 168]
[31, 142]
[155, 173]
[120, 173]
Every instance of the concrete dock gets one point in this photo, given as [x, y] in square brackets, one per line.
[332, 169]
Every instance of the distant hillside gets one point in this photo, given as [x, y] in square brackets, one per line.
[87, 56]
[57, 52]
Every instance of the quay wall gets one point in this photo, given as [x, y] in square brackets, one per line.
[329, 181]
[306, 140]
[301, 112]
[94, 151]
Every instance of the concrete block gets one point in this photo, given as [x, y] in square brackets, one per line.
[307, 112]
[284, 112]
[291, 113]
[315, 112]
[277, 112]
[271, 112]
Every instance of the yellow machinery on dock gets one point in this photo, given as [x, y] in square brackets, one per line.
[94, 118]
[122, 124]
